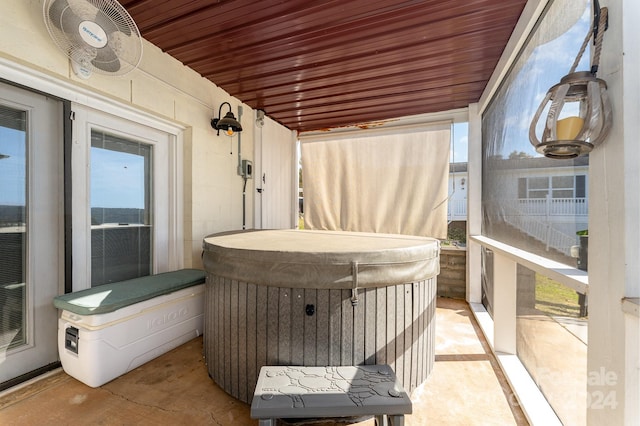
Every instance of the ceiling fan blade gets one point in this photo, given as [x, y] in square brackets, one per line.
[106, 60]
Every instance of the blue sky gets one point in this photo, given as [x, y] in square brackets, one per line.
[536, 74]
[459, 143]
[12, 168]
[117, 179]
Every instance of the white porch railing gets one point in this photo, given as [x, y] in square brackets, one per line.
[535, 217]
[553, 206]
[544, 232]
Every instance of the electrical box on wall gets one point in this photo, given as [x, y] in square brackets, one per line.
[247, 169]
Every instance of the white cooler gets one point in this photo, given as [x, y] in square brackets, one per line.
[106, 331]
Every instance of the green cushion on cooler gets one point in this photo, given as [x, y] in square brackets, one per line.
[113, 296]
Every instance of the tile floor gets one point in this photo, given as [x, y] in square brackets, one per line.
[466, 387]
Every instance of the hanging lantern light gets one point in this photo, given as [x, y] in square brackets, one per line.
[578, 110]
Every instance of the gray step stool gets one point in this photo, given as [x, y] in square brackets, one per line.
[329, 392]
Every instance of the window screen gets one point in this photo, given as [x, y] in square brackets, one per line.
[531, 202]
[538, 205]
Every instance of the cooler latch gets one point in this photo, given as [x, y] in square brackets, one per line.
[71, 339]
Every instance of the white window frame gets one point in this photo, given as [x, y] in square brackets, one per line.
[166, 197]
[550, 190]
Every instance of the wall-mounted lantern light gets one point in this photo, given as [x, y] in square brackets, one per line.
[228, 124]
[578, 110]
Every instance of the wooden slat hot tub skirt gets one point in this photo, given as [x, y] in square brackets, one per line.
[248, 326]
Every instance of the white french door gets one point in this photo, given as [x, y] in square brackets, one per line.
[31, 229]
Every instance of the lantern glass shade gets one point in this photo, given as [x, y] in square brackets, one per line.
[578, 117]
[228, 123]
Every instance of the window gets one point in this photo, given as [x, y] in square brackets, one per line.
[121, 210]
[563, 186]
[538, 187]
[126, 220]
[13, 221]
[554, 186]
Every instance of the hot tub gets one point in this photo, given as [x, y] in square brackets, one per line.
[318, 298]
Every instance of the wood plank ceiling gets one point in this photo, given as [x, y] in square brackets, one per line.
[314, 65]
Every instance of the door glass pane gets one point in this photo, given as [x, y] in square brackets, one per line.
[13, 226]
[121, 216]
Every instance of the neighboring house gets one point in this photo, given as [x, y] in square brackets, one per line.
[540, 199]
[545, 201]
[458, 184]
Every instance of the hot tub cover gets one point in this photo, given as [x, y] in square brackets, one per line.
[321, 259]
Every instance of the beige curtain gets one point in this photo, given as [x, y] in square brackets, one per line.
[390, 183]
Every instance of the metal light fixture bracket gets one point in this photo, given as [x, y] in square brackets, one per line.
[229, 123]
[260, 114]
